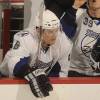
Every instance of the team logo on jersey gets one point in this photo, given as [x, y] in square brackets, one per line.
[42, 65]
[88, 41]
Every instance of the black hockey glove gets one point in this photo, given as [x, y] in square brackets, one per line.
[39, 83]
[95, 56]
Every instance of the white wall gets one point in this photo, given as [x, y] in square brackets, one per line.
[31, 7]
[27, 12]
[60, 92]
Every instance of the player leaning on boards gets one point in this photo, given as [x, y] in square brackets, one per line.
[85, 57]
[35, 52]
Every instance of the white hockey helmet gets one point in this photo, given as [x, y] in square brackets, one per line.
[50, 20]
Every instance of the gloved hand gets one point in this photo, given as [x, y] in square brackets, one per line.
[95, 56]
[39, 83]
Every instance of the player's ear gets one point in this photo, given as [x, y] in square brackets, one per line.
[38, 29]
[41, 31]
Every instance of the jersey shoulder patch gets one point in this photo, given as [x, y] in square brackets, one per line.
[18, 37]
[22, 33]
[16, 45]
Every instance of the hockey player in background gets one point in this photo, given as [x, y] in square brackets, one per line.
[36, 50]
[66, 12]
[85, 56]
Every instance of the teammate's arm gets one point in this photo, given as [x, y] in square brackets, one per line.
[64, 59]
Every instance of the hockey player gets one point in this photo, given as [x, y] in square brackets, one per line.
[66, 12]
[35, 52]
[86, 43]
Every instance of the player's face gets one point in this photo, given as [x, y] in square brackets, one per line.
[94, 8]
[49, 36]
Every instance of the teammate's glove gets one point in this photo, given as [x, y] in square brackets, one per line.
[95, 56]
[39, 83]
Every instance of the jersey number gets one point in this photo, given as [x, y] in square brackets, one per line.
[88, 22]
